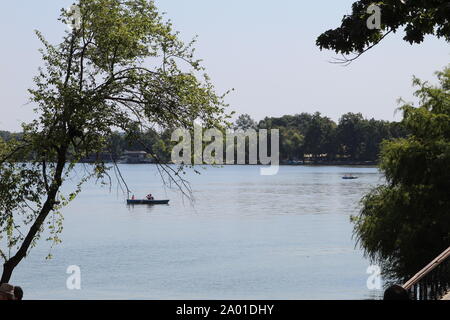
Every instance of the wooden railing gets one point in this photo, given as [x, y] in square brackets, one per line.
[433, 281]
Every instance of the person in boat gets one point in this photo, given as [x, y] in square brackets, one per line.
[150, 197]
[133, 197]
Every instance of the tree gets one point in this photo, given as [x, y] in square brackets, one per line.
[319, 135]
[375, 131]
[122, 67]
[350, 132]
[301, 121]
[245, 122]
[405, 224]
[419, 18]
[291, 144]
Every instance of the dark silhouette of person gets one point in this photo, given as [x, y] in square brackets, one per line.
[396, 293]
[18, 293]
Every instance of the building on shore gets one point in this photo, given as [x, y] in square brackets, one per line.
[135, 157]
[105, 157]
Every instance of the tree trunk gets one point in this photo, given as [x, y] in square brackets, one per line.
[7, 272]
[11, 264]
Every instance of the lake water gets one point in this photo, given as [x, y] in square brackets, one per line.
[246, 236]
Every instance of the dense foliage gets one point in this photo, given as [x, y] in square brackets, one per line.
[405, 223]
[312, 136]
[353, 138]
[418, 18]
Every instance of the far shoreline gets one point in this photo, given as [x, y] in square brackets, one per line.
[318, 164]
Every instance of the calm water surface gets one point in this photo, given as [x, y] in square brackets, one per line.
[247, 236]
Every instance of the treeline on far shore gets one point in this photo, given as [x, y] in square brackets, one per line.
[304, 138]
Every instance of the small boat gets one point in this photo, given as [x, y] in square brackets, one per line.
[151, 202]
[349, 177]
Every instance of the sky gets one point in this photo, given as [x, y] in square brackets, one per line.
[264, 50]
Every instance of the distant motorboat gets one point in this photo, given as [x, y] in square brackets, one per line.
[150, 202]
[349, 177]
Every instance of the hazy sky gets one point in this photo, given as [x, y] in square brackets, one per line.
[265, 50]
